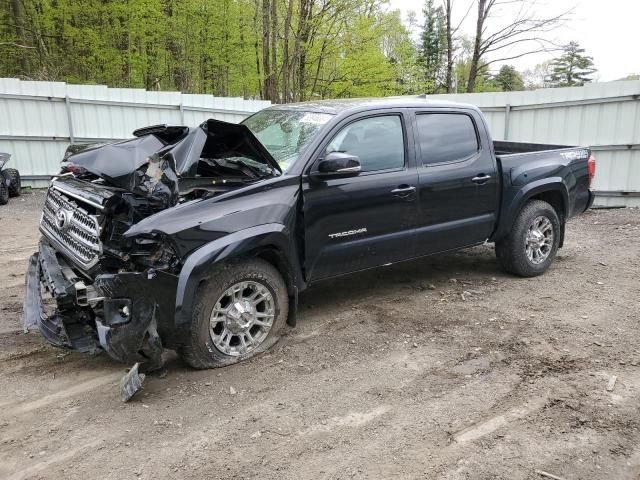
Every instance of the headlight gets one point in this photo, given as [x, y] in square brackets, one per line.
[154, 250]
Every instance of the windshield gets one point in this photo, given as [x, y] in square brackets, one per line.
[285, 133]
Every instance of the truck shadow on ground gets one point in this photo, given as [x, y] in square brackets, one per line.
[477, 264]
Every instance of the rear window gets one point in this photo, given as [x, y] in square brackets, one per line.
[446, 137]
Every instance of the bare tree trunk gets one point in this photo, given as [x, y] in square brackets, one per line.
[295, 60]
[525, 30]
[306, 7]
[16, 11]
[475, 59]
[243, 46]
[449, 76]
[256, 46]
[266, 69]
[274, 51]
[285, 53]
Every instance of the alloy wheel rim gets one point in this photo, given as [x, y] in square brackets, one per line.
[539, 240]
[242, 318]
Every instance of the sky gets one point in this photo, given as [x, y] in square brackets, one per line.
[609, 31]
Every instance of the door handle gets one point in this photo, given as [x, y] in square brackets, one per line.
[481, 179]
[405, 192]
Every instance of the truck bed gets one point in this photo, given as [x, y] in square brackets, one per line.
[502, 148]
[523, 165]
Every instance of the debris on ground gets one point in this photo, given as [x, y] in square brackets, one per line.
[548, 475]
[131, 383]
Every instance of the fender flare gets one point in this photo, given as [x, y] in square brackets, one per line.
[199, 263]
[512, 208]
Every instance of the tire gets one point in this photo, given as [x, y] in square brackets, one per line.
[13, 177]
[512, 251]
[207, 339]
[4, 191]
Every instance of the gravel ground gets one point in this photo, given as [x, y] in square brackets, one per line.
[443, 368]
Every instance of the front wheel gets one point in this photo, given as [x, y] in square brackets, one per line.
[239, 312]
[532, 245]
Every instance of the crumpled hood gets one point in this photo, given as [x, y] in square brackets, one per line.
[151, 164]
[141, 165]
[237, 138]
[114, 162]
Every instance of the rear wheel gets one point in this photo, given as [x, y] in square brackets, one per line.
[4, 191]
[239, 312]
[532, 245]
[13, 178]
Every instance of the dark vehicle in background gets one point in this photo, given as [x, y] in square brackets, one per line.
[200, 239]
[9, 180]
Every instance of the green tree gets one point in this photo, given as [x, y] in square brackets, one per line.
[508, 79]
[281, 50]
[433, 44]
[401, 52]
[572, 68]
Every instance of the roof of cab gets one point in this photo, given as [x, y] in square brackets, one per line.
[362, 104]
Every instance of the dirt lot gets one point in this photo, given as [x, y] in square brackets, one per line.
[394, 373]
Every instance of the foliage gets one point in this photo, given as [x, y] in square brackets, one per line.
[433, 44]
[508, 79]
[316, 48]
[280, 50]
[572, 68]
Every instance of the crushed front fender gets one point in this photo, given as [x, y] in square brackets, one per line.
[136, 308]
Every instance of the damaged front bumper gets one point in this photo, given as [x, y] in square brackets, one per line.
[124, 314]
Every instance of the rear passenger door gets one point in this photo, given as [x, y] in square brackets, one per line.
[458, 182]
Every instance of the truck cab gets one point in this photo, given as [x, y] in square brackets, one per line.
[427, 183]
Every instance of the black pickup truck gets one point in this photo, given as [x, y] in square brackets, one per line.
[200, 239]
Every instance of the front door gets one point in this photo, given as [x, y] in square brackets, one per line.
[361, 222]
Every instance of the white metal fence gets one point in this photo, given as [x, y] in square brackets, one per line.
[38, 120]
[604, 116]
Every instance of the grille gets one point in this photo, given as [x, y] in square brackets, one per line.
[71, 228]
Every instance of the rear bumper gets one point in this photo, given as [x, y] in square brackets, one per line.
[117, 313]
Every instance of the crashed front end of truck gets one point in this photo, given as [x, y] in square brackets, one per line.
[95, 284]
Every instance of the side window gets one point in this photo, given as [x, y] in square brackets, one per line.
[377, 141]
[446, 137]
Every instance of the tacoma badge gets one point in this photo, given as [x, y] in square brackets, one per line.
[348, 233]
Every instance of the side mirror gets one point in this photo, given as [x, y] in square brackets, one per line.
[337, 165]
